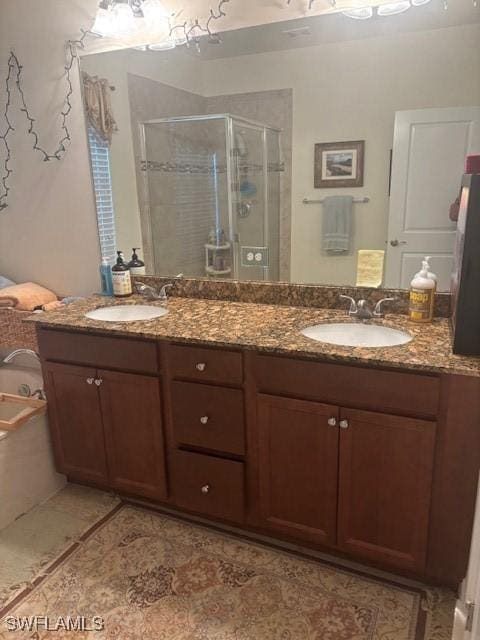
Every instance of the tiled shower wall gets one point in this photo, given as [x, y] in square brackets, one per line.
[274, 108]
[150, 100]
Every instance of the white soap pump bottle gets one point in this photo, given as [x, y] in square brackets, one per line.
[422, 294]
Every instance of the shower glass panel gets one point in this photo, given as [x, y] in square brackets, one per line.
[210, 207]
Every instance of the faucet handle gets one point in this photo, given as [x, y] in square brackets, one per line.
[163, 291]
[378, 311]
[353, 304]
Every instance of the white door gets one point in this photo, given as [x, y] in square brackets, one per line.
[429, 149]
[467, 618]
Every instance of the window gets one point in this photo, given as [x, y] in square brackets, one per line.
[102, 182]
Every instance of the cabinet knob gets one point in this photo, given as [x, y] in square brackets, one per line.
[201, 366]
[90, 380]
[332, 422]
[206, 489]
[98, 382]
[204, 419]
[344, 424]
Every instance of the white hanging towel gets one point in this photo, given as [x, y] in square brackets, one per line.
[337, 224]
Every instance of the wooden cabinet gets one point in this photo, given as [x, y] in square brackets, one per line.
[208, 417]
[208, 485]
[385, 481]
[298, 465]
[76, 422]
[131, 413]
[379, 465]
[375, 469]
[107, 428]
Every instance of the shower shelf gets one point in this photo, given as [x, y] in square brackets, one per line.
[217, 272]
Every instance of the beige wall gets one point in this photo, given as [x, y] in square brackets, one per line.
[350, 91]
[48, 233]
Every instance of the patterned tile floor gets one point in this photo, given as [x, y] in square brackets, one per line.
[38, 537]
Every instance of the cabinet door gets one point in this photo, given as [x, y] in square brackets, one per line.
[76, 422]
[386, 465]
[132, 418]
[298, 460]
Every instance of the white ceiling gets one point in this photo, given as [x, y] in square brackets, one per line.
[337, 28]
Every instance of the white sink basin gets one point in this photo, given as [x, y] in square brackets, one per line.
[356, 335]
[127, 313]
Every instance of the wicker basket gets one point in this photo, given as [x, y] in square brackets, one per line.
[14, 332]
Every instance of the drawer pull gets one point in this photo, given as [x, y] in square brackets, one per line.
[201, 366]
[204, 419]
[206, 489]
[332, 422]
[344, 424]
[98, 382]
[90, 380]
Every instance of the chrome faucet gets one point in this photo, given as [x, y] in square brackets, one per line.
[150, 293]
[362, 311]
[20, 352]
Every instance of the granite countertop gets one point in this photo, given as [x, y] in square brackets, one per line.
[271, 328]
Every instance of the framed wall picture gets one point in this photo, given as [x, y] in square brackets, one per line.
[339, 164]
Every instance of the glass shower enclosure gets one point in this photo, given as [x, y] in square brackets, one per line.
[211, 196]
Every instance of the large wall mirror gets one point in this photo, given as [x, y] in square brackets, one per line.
[321, 150]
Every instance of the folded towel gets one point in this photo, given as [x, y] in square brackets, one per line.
[26, 297]
[51, 306]
[370, 267]
[337, 224]
[5, 282]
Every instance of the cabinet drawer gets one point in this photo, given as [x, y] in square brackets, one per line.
[212, 486]
[208, 365]
[99, 351]
[208, 417]
[387, 391]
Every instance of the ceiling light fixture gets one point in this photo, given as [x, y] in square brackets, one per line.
[394, 8]
[364, 13]
[148, 23]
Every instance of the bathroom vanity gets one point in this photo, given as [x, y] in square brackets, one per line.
[224, 410]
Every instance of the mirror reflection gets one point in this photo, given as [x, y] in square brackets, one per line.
[321, 150]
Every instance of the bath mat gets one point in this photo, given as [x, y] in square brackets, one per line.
[140, 575]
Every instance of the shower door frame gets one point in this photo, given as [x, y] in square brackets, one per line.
[229, 119]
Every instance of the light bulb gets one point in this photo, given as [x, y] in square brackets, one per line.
[394, 8]
[103, 25]
[124, 22]
[363, 13]
[157, 25]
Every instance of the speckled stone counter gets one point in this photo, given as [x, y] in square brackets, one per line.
[273, 329]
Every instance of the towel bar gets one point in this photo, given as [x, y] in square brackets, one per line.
[356, 200]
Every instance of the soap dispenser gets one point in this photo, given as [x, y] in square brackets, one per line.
[122, 283]
[106, 278]
[422, 294]
[136, 266]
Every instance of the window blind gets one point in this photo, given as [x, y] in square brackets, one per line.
[102, 182]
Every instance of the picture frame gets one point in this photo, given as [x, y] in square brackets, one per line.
[339, 164]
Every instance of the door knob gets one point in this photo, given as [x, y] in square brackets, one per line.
[395, 243]
[90, 380]
[98, 382]
[344, 424]
[206, 489]
[332, 422]
[200, 366]
[204, 419]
